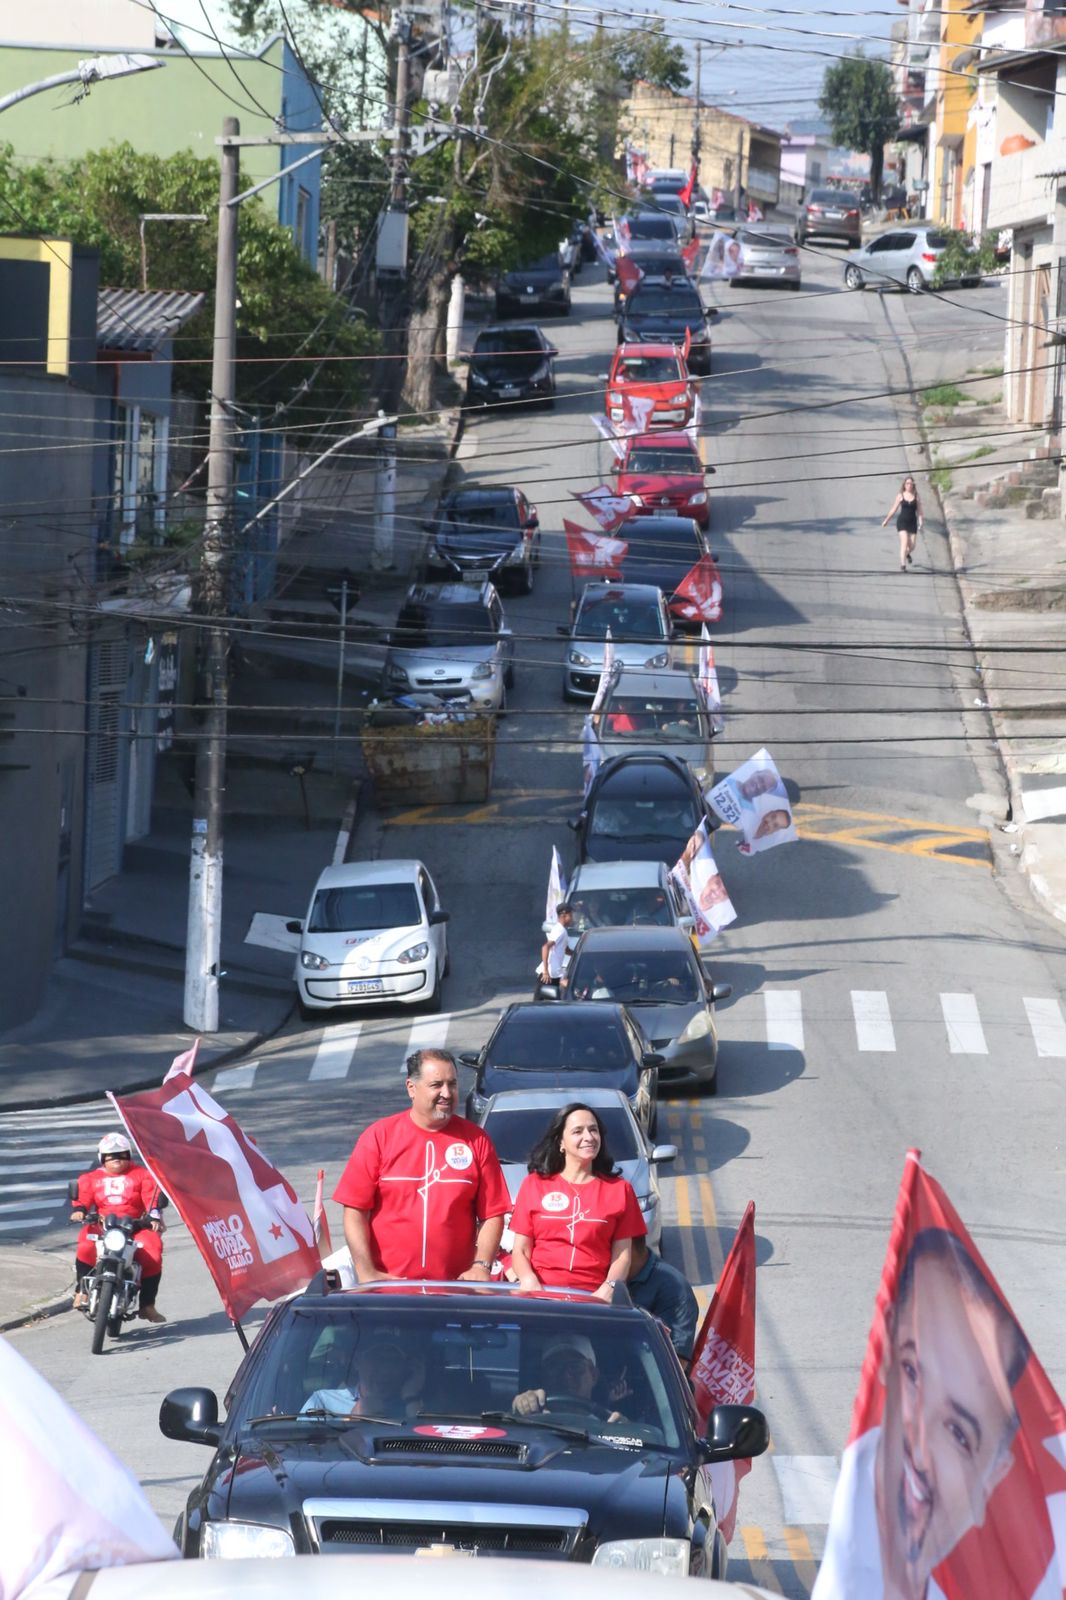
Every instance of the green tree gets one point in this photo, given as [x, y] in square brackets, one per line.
[287, 316]
[646, 54]
[860, 101]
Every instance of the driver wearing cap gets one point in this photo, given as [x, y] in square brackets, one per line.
[570, 1374]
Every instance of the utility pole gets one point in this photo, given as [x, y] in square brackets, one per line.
[205, 863]
[696, 132]
[401, 113]
[739, 181]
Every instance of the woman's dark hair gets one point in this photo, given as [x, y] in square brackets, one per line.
[546, 1158]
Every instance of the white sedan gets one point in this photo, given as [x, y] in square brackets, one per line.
[374, 932]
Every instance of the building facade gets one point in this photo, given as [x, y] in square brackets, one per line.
[733, 151]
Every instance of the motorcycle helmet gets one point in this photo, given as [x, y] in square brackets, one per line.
[114, 1144]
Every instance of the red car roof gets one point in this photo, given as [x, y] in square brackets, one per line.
[660, 441]
[634, 348]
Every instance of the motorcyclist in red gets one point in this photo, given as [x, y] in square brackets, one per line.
[119, 1188]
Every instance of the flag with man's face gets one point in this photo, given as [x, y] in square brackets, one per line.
[754, 800]
[953, 1482]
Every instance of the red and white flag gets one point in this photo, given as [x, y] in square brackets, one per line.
[319, 1220]
[628, 273]
[243, 1214]
[686, 348]
[594, 555]
[707, 677]
[723, 1362]
[636, 412]
[754, 212]
[953, 1481]
[685, 194]
[69, 1505]
[699, 594]
[609, 509]
[690, 253]
[183, 1063]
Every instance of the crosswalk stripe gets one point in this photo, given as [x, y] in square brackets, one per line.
[39, 1166]
[784, 1019]
[335, 1051]
[23, 1223]
[241, 1077]
[806, 1484]
[28, 1205]
[428, 1031]
[873, 1020]
[1049, 1030]
[966, 1037]
[32, 1188]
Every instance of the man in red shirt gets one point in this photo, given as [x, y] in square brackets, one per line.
[423, 1193]
[118, 1187]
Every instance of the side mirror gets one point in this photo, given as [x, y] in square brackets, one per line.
[709, 471]
[562, 630]
[72, 1189]
[551, 351]
[549, 991]
[437, 917]
[686, 924]
[604, 377]
[191, 1415]
[574, 823]
[721, 991]
[664, 1152]
[651, 1058]
[294, 927]
[736, 1433]
[468, 1058]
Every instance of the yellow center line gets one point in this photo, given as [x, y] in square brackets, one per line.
[684, 1222]
[758, 1557]
[710, 1219]
[801, 1555]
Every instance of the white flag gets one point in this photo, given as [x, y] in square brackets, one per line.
[591, 754]
[557, 888]
[707, 677]
[68, 1504]
[606, 673]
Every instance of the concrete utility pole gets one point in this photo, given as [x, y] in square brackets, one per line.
[739, 182]
[401, 113]
[696, 131]
[205, 863]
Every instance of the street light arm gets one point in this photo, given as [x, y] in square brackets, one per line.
[367, 431]
[88, 72]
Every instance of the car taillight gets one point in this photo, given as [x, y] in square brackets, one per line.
[851, 213]
[813, 209]
[929, 256]
[790, 250]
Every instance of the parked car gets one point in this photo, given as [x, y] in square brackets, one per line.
[768, 255]
[486, 533]
[662, 551]
[451, 642]
[536, 1046]
[374, 931]
[664, 473]
[659, 312]
[657, 973]
[906, 257]
[517, 1118]
[661, 711]
[830, 214]
[640, 807]
[544, 284]
[658, 264]
[626, 894]
[511, 364]
[649, 383]
[451, 1467]
[641, 632]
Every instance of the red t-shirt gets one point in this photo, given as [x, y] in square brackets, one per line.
[128, 1194]
[573, 1226]
[426, 1191]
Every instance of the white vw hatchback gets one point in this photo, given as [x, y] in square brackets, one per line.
[374, 931]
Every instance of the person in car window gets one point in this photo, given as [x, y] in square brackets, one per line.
[570, 1375]
[575, 1215]
[387, 1383]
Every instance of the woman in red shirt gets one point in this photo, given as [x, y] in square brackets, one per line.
[575, 1215]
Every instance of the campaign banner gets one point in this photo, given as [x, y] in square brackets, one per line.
[591, 755]
[685, 194]
[636, 412]
[253, 1233]
[707, 677]
[557, 888]
[70, 1506]
[606, 429]
[754, 800]
[607, 257]
[953, 1481]
[699, 594]
[696, 873]
[723, 258]
[594, 555]
[723, 1360]
[606, 674]
[606, 507]
[628, 273]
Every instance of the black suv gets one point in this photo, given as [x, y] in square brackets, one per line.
[445, 1460]
[544, 284]
[509, 365]
[486, 533]
[660, 313]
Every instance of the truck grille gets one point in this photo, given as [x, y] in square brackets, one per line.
[500, 1529]
[419, 1536]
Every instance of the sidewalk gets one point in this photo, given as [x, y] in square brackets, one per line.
[37, 1283]
[112, 1017]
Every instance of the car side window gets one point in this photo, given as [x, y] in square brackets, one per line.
[887, 241]
[425, 889]
[905, 241]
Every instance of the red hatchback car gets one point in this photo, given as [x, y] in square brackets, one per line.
[648, 386]
[662, 474]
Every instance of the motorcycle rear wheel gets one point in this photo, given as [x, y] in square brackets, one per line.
[103, 1312]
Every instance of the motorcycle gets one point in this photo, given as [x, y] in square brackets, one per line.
[114, 1285]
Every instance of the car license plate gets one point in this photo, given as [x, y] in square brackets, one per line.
[473, 575]
[835, 215]
[365, 986]
[442, 1551]
[509, 390]
[529, 294]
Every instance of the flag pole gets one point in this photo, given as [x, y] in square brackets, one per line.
[242, 1336]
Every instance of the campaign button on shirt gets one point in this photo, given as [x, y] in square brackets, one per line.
[459, 1157]
[573, 1226]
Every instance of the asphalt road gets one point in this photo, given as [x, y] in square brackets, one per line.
[893, 983]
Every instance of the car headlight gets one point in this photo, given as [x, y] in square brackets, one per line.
[669, 1556]
[613, 397]
[114, 1239]
[517, 554]
[678, 399]
[484, 669]
[576, 659]
[698, 1028]
[477, 379]
[395, 674]
[229, 1541]
[542, 372]
[315, 963]
[699, 499]
[417, 952]
[661, 660]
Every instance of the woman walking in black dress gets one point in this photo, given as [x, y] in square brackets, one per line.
[907, 510]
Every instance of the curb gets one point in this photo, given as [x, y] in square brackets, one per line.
[39, 1313]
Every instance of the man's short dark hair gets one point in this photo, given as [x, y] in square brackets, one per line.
[940, 1244]
[564, 905]
[418, 1058]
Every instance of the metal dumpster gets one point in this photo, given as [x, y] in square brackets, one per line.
[417, 763]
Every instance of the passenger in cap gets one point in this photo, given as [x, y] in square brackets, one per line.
[569, 1373]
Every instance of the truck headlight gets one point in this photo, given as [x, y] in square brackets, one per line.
[517, 555]
[312, 962]
[669, 1556]
[417, 952]
[229, 1541]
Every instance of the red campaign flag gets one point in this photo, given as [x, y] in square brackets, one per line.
[686, 348]
[594, 555]
[685, 194]
[248, 1225]
[953, 1481]
[627, 273]
[689, 252]
[699, 594]
[723, 1360]
[609, 509]
[319, 1220]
